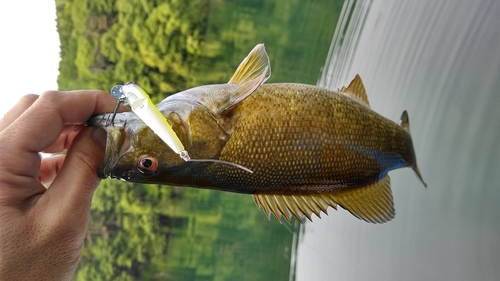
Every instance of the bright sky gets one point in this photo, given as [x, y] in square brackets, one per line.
[29, 49]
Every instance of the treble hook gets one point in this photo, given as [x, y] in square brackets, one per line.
[117, 92]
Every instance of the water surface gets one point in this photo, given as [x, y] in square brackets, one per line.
[441, 62]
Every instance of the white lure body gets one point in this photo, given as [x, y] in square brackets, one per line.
[142, 106]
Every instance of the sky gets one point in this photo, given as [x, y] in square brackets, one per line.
[29, 49]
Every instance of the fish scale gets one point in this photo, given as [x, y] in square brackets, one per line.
[297, 148]
[312, 146]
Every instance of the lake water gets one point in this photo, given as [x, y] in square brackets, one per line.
[440, 60]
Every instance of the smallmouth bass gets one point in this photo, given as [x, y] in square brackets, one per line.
[307, 147]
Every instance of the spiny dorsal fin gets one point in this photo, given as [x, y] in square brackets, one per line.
[252, 67]
[293, 205]
[356, 89]
[372, 203]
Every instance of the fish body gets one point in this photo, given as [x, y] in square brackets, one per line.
[307, 147]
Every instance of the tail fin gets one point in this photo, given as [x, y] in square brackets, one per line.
[417, 171]
[405, 123]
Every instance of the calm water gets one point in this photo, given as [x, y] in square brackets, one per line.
[440, 60]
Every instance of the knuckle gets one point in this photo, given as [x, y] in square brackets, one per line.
[28, 99]
[50, 97]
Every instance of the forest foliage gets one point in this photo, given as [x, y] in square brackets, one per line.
[153, 43]
[156, 232]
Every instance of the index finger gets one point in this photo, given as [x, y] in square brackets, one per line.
[22, 104]
[53, 110]
[41, 124]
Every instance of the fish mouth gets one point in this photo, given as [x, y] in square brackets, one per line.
[118, 140]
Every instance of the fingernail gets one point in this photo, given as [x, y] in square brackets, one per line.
[100, 136]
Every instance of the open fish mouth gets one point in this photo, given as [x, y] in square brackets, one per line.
[118, 141]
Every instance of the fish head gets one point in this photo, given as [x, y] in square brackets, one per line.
[201, 117]
[133, 151]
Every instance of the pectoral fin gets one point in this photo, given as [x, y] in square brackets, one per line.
[252, 72]
[356, 89]
[372, 203]
[253, 66]
[242, 92]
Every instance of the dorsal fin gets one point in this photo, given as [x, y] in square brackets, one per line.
[371, 203]
[252, 67]
[356, 89]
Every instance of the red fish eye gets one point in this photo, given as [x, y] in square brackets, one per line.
[147, 163]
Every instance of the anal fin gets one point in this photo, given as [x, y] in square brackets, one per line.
[372, 203]
[356, 89]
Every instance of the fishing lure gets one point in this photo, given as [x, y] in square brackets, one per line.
[139, 101]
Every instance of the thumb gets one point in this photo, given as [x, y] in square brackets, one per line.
[77, 180]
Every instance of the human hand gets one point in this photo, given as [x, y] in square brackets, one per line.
[42, 230]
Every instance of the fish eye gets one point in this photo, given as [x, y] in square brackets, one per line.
[147, 163]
